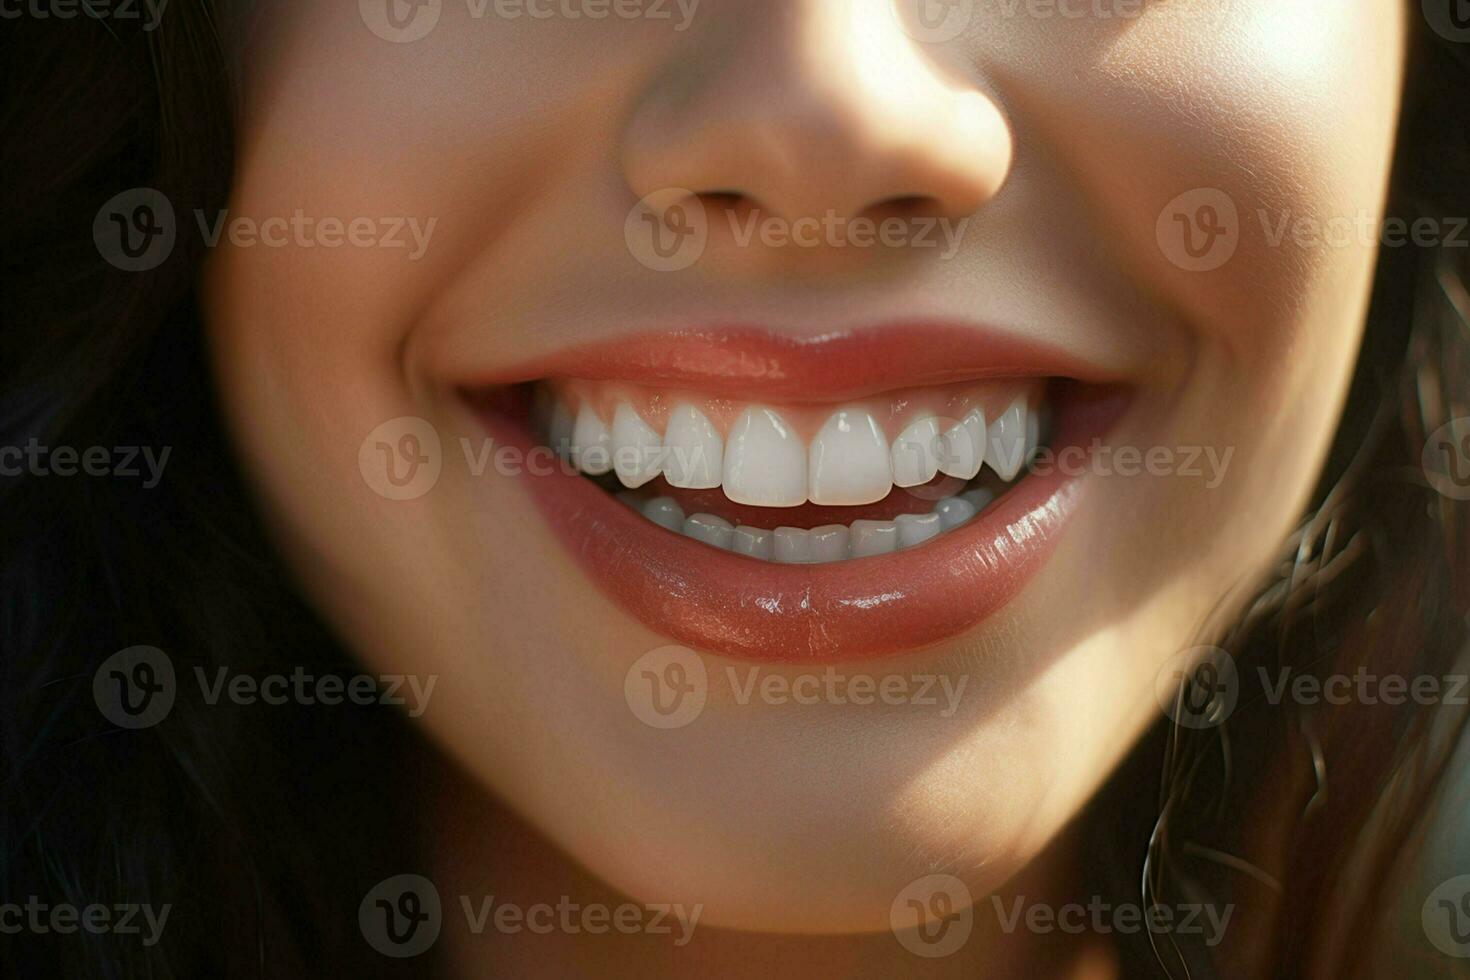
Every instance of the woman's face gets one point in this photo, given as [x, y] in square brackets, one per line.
[875, 236]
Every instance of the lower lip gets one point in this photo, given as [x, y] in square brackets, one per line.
[845, 611]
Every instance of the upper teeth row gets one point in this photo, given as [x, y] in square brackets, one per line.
[763, 461]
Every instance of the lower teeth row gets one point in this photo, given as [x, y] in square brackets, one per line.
[832, 542]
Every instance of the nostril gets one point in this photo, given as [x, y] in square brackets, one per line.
[736, 207]
[905, 206]
[722, 199]
[734, 204]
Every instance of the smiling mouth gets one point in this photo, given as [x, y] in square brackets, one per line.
[798, 484]
[783, 500]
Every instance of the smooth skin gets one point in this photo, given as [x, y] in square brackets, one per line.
[1062, 138]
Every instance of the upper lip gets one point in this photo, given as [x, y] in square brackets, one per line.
[753, 363]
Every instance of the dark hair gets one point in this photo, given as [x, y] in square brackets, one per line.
[263, 830]
[260, 828]
[1311, 817]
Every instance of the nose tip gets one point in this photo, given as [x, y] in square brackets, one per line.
[801, 116]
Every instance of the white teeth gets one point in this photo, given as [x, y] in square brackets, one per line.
[559, 431]
[829, 542]
[872, 538]
[1006, 440]
[765, 461]
[793, 545]
[753, 541]
[954, 511]
[962, 449]
[638, 452]
[664, 512]
[916, 453]
[695, 451]
[710, 529]
[915, 529]
[848, 461]
[591, 442]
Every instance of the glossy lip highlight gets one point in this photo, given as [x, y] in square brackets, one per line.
[856, 610]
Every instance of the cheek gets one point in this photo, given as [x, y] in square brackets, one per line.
[1235, 157]
[440, 141]
[1213, 145]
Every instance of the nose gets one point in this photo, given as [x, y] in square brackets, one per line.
[804, 107]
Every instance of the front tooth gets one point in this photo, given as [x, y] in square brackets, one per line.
[793, 545]
[1006, 440]
[872, 538]
[753, 541]
[765, 461]
[665, 512]
[560, 431]
[963, 447]
[591, 442]
[695, 452]
[638, 452]
[916, 453]
[954, 511]
[848, 461]
[710, 529]
[829, 542]
[916, 528]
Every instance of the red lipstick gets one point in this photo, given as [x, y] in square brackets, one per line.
[858, 609]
